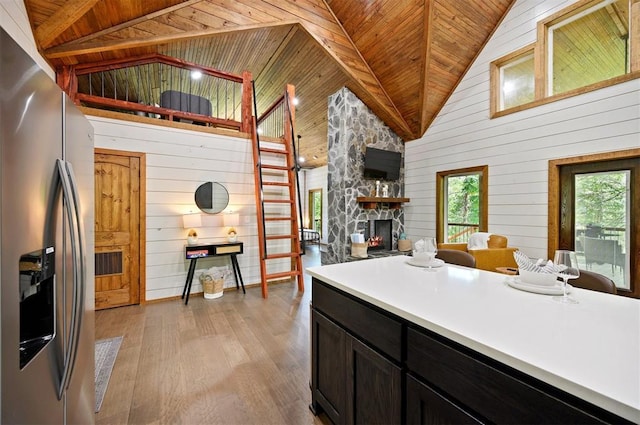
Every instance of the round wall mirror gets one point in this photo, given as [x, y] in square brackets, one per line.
[212, 197]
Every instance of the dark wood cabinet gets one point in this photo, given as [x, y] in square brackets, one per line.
[427, 406]
[374, 388]
[371, 366]
[328, 363]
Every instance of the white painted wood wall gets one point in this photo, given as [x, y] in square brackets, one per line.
[15, 21]
[516, 147]
[177, 162]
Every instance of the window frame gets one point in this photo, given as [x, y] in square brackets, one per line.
[441, 192]
[541, 61]
[557, 206]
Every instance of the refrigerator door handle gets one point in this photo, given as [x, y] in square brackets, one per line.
[69, 190]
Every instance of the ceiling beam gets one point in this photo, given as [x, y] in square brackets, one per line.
[62, 19]
[426, 55]
[133, 22]
[74, 49]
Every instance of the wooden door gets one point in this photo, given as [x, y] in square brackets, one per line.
[117, 228]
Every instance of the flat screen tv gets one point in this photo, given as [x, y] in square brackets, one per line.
[382, 164]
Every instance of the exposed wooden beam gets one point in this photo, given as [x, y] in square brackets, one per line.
[62, 19]
[426, 55]
[134, 22]
[73, 49]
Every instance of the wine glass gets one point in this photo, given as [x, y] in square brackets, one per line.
[566, 265]
[431, 248]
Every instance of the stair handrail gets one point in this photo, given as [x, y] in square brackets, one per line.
[296, 167]
[259, 167]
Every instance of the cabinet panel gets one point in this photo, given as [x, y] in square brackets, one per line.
[374, 390]
[426, 406]
[493, 393]
[369, 324]
[328, 362]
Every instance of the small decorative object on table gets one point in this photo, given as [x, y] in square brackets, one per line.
[231, 220]
[385, 190]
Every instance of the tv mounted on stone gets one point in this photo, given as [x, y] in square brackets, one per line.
[382, 164]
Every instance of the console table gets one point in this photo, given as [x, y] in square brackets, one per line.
[194, 252]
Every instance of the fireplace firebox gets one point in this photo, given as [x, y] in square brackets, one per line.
[379, 234]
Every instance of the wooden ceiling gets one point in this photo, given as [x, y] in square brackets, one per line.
[403, 58]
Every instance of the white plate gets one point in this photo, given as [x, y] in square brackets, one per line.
[435, 263]
[556, 289]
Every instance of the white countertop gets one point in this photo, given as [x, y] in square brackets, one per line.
[590, 349]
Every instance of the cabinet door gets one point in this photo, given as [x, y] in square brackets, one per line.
[374, 392]
[426, 406]
[328, 364]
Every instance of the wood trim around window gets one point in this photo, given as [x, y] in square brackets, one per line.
[483, 170]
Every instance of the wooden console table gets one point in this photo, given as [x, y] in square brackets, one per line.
[193, 252]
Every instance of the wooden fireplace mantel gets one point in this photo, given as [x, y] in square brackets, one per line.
[372, 202]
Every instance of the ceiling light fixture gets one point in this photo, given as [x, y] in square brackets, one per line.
[296, 101]
[196, 74]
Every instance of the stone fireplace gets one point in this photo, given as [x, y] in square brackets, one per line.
[351, 128]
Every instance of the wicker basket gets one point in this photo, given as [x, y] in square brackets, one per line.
[359, 250]
[404, 245]
[213, 288]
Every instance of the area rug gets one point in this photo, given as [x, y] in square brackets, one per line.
[106, 353]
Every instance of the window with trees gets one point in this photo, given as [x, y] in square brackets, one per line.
[461, 203]
[315, 210]
[588, 45]
[600, 203]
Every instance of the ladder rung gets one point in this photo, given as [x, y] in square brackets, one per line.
[276, 184]
[271, 150]
[275, 167]
[279, 201]
[282, 255]
[282, 274]
[279, 219]
[274, 237]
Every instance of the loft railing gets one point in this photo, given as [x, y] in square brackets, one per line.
[271, 122]
[163, 87]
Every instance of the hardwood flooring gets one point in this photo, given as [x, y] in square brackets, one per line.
[238, 359]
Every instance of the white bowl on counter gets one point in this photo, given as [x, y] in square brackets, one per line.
[535, 278]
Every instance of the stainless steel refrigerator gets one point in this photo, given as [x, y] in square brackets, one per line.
[47, 254]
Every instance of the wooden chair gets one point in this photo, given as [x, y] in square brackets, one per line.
[454, 256]
[594, 282]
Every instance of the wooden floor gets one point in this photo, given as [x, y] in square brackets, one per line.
[238, 359]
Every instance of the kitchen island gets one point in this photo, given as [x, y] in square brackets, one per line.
[395, 343]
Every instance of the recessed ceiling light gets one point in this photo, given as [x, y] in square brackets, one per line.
[196, 75]
[296, 100]
[301, 159]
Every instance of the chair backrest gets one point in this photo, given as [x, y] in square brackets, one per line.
[594, 281]
[454, 256]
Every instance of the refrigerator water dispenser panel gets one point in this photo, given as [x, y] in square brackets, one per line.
[37, 302]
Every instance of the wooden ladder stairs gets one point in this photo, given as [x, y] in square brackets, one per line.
[275, 188]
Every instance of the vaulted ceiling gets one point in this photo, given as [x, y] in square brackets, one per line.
[402, 58]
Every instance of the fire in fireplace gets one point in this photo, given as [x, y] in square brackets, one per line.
[379, 234]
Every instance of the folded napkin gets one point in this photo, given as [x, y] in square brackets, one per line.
[539, 266]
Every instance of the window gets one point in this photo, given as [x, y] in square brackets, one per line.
[315, 211]
[586, 46]
[515, 77]
[600, 205]
[461, 203]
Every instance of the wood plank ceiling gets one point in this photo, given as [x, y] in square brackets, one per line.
[403, 58]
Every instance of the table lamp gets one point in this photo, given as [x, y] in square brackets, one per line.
[231, 220]
[190, 221]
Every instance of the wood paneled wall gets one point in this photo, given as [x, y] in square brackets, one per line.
[516, 147]
[178, 161]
